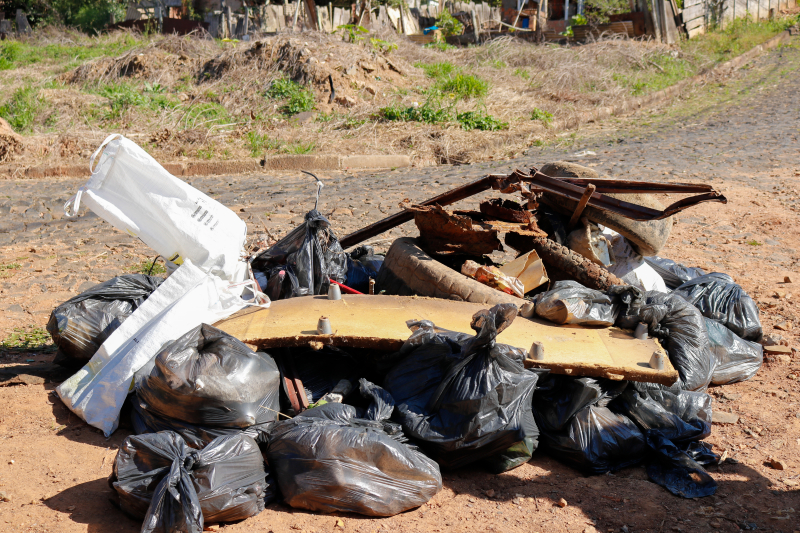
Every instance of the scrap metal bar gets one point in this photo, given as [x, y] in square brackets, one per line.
[606, 203]
[581, 205]
[573, 188]
[392, 221]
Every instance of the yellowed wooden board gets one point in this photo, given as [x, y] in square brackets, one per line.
[380, 322]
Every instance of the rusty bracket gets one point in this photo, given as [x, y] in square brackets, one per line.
[576, 216]
[573, 188]
[294, 386]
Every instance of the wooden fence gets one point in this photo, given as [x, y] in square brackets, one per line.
[700, 15]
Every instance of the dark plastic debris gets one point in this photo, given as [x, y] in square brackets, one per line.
[674, 274]
[334, 458]
[464, 398]
[720, 299]
[569, 302]
[209, 378]
[304, 261]
[175, 488]
[81, 325]
[737, 359]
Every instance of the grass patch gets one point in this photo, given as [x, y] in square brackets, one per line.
[259, 143]
[27, 339]
[522, 73]
[149, 268]
[16, 54]
[297, 98]
[429, 113]
[437, 70]
[542, 115]
[479, 120]
[440, 45]
[23, 109]
[123, 96]
[300, 147]
[7, 271]
[462, 86]
[754, 243]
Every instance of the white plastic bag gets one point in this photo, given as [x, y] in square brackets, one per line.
[134, 193]
[186, 299]
[631, 267]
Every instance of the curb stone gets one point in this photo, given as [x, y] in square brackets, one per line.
[380, 162]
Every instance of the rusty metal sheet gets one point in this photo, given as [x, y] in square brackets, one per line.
[505, 210]
[446, 232]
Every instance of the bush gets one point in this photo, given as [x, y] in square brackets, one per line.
[449, 24]
[297, 98]
[479, 120]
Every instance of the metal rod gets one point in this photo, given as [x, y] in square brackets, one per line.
[581, 205]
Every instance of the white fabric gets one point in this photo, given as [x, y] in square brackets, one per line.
[134, 193]
[186, 299]
[630, 267]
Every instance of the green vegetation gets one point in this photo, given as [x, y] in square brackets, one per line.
[149, 268]
[204, 113]
[7, 271]
[296, 97]
[123, 96]
[352, 33]
[437, 70]
[449, 24]
[24, 108]
[27, 339]
[300, 147]
[542, 115]
[429, 113]
[15, 54]
[754, 243]
[462, 86]
[441, 46]
[479, 120]
[379, 45]
[259, 143]
[522, 73]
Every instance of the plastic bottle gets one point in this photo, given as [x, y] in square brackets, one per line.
[493, 277]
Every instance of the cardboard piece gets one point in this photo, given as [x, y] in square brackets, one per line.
[527, 268]
[379, 322]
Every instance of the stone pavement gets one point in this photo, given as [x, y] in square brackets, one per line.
[742, 133]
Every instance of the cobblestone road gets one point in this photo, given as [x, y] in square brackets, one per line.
[739, 133]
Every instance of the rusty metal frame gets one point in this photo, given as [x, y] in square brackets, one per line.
[572, 188]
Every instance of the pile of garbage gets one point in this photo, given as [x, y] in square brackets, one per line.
[222, 428]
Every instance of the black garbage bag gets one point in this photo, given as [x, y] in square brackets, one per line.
[682, 417]
[682, 330]
[464, 398]
[309, 256]
[578, 427]
[334, 458]
[719, 298]
[674, 274]
[209, 378]
[673, 424]
[675, 470]
[198, 437]
[175, 488]
[80, 325]
[569, 302]
[737, 359]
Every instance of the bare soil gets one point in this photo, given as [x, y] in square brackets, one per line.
[741, 136]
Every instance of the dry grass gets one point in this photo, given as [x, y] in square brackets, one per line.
[193, 97]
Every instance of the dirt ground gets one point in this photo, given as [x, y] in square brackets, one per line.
[740, 135]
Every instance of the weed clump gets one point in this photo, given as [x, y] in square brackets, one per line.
[297, 98]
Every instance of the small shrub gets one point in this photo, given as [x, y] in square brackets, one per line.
[352, 33]
[23, 108]
[379, 45]
[297, 98]
[462, 86]
[542, 115]
[479, 120]
[449, 24]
